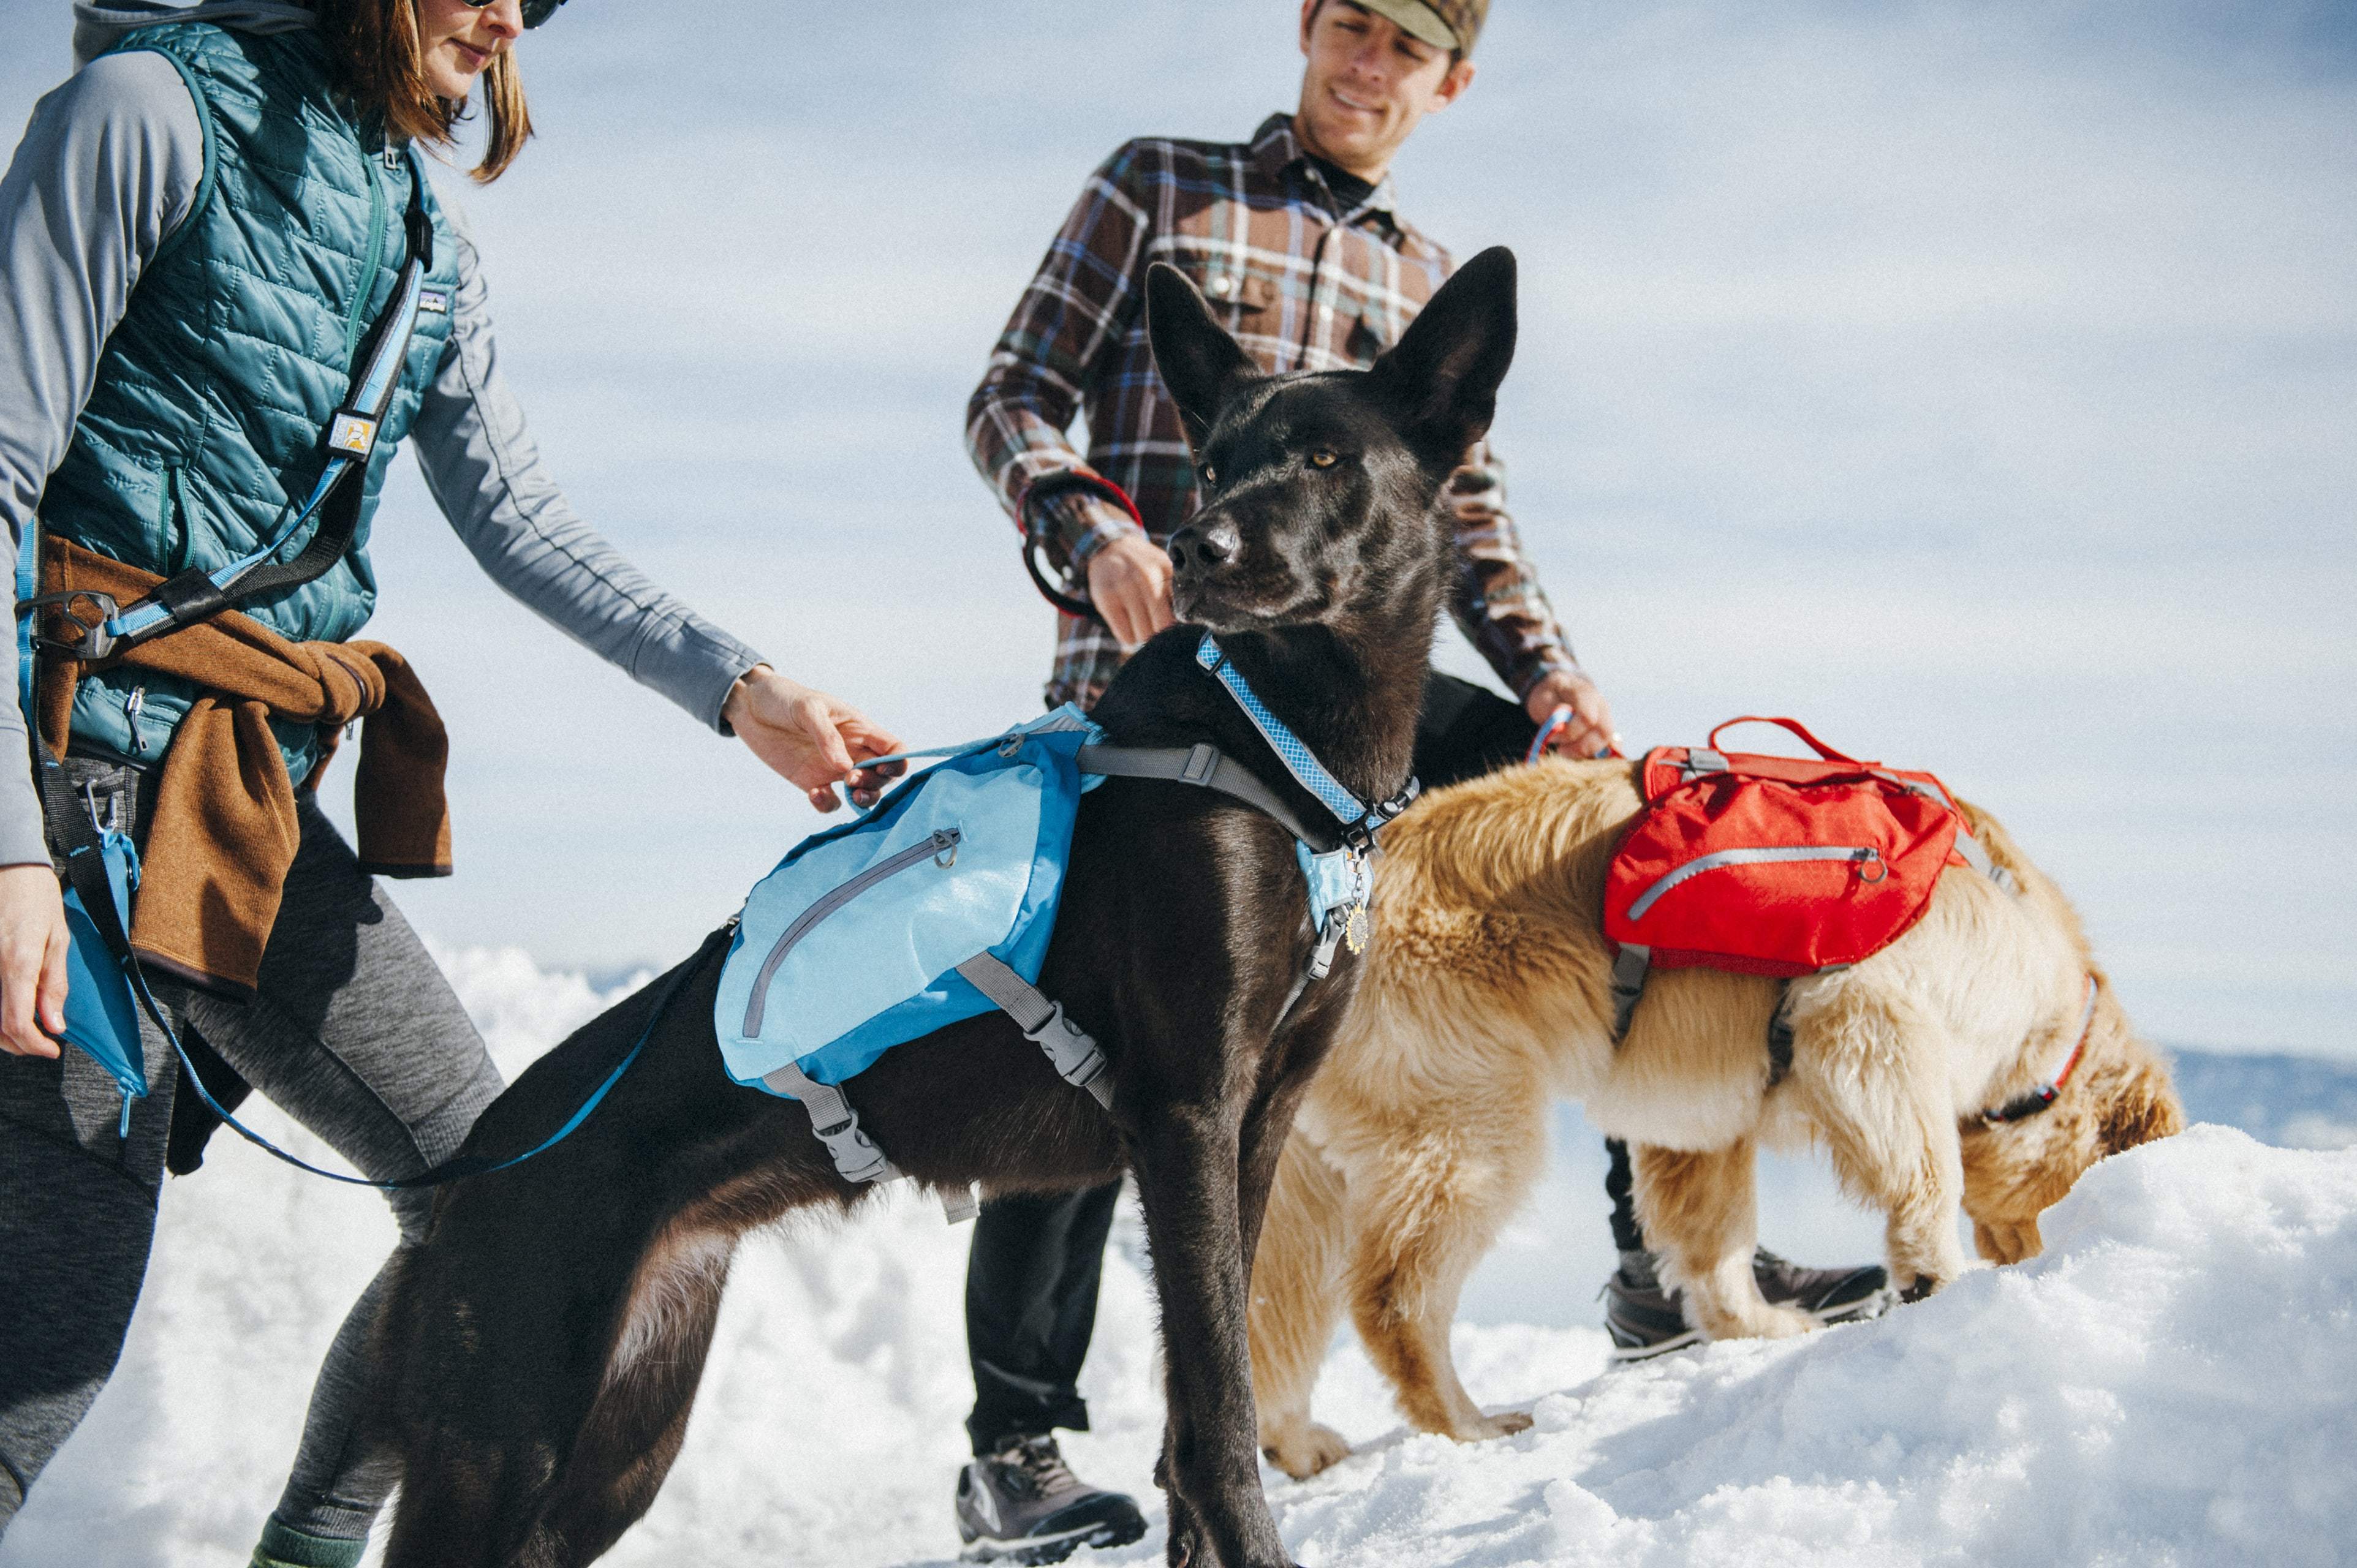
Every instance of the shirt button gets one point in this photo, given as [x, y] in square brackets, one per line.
[1221, 284]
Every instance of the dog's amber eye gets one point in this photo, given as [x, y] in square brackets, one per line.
[1324, 458]
[1211, 475]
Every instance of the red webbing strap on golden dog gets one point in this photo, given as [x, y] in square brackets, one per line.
[2040, 1097]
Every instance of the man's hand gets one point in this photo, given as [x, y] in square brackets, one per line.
[33, 942]
[1589, 731]
[808, 737]
[1129, 583]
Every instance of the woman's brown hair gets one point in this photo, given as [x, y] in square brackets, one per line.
[375, 42]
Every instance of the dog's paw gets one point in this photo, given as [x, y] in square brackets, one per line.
[1505, 1423]
[1307, 1450]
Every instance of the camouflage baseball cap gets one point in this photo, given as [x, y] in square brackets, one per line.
[1443, 24]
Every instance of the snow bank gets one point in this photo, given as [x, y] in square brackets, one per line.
[2169, 1384]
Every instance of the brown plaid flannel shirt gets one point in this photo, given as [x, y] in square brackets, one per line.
[1256, 227]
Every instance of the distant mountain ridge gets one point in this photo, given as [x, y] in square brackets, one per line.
[2294, 1102]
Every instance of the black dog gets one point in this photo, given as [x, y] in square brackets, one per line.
[542, 1350]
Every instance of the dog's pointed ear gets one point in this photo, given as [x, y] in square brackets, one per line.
[1202, 366]
[1441, 378]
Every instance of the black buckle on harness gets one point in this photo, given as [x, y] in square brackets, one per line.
[1360, 835]
[90, 640]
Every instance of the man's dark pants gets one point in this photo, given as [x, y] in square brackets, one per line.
[1031, 1279]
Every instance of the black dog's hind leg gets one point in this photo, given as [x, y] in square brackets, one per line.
[499, 1380]
[545, 1346]
[634, 1430]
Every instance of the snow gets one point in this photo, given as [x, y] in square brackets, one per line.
[2168, 1384]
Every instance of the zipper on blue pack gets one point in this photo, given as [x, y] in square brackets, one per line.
[941, 847]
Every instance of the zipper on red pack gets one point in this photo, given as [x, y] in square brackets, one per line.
[1867, 857]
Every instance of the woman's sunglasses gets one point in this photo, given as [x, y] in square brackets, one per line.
[535, 12]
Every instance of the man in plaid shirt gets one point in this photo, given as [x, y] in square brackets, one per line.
[1294, 240]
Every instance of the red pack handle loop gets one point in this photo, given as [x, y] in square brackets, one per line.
[1820, 748]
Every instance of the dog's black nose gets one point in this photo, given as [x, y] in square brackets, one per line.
[1203, 549]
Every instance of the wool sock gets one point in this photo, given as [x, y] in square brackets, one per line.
[285, 1547]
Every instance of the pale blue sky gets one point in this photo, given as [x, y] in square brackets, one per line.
[1976, 382]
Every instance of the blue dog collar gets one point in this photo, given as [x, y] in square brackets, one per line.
[1358, 820]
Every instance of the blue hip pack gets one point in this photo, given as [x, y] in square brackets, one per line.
[853, 944]
[939, 904]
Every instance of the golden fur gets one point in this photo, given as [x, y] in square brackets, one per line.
[1486, 995]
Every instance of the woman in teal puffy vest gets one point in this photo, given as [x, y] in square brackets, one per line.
[196, 235]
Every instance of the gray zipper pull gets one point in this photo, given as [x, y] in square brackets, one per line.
[135, 702]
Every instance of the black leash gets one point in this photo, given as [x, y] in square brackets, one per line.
[1064, 481]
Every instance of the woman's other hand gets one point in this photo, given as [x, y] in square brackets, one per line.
[808, 737]
[33, 941]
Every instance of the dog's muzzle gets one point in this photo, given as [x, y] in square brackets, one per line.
[1216, 585]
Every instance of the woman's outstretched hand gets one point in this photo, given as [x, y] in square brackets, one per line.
[808, 737]
[33, 942]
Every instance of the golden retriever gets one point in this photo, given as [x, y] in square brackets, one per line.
[1486, 995]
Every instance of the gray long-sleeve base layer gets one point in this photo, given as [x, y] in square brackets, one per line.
[109, 167]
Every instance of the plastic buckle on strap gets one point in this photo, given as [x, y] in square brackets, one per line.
[351, 433]
[90, 640]
[1072, 1052]
[1329, 938]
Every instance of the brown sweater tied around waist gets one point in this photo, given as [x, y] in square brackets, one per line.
[224, 833]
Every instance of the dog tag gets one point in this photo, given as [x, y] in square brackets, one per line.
[1354, 929]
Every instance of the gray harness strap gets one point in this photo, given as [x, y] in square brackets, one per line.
[1075, 1054]
[1628, 984]
[856, 1157]
[1966, 845]
[1206, 767]
[1779, 1037]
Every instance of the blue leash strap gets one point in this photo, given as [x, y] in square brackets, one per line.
[1554, 720]
[1064, 718]
[450, 1170]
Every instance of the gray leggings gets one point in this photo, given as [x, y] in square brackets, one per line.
[353, 1032]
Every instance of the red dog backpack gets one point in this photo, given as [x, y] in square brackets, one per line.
[1775, 865]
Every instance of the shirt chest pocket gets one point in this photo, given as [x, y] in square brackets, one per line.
[1250, 295]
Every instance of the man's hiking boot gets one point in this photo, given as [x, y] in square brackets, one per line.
[1644, 1319]
[1023, 1504]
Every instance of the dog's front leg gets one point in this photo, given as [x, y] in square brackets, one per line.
[1187, 1171]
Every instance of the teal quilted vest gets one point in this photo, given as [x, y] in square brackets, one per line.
[203, 432]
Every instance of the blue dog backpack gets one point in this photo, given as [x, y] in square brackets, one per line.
[939, 904]
[935, 906]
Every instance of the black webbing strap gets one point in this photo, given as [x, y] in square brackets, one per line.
[191, 596]
[1028, 518]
